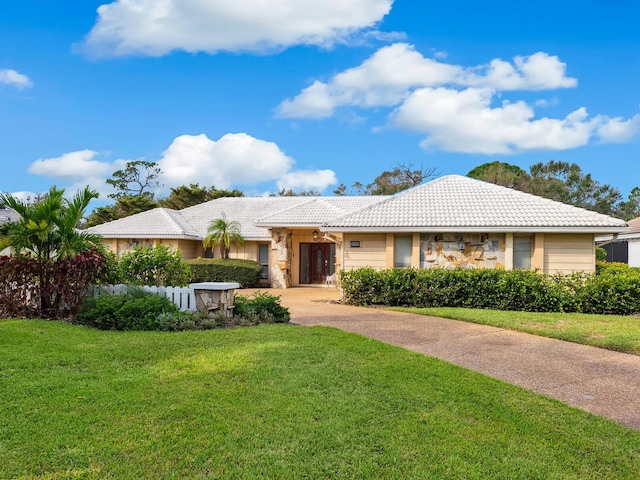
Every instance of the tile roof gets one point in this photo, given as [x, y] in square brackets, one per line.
[244, 210]
[8, 214]
[318, 210]
[460, 203]
[156, 223]
[634, 225]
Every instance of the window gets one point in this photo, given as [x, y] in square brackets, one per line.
[263, 258]
[402, 251]
[521, 253]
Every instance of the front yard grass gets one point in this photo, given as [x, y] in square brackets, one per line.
[613, 332]
[277, 401]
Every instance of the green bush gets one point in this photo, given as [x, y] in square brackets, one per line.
[244, 272]
[614, 291]
[260, 308]
[156, 266]
[134, 310]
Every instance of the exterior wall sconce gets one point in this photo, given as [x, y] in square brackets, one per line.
[316, 236]
[461, 244]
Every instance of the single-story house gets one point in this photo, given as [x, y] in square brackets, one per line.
[624, 247]
[449, 222]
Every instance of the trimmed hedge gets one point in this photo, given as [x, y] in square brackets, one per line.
[245, 272]
[609, 292]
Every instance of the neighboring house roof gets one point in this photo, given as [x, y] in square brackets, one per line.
[633, 233]
[457, 203]
[634, 226]
[156, 223]
[8, 214]
[319, 210]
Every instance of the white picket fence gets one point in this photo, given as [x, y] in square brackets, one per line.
[183, 297]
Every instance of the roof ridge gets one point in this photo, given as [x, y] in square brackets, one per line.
[169, 214]
[291, 207]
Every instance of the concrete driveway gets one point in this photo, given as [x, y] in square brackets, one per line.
[600, 381]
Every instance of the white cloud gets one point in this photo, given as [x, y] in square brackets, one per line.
[11, 77]
[539, 71]
[157, 27]
[456, 107]
[384, 79]
[390, 74]
[79, 168]
[71, 165]
[316, 180]
[618, 130]
[464, 121]
[234, 159]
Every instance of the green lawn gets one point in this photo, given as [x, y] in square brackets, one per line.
[613, 332]
[277, 401]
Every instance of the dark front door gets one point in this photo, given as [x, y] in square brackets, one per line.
[316, 262]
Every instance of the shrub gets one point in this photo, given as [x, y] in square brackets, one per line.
[156, 266]
[244, 272]
[601, 254]
[260, 308]
[616, 290]
[134, 310]
[66, 286]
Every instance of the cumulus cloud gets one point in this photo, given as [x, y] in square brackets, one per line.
[235, 159]
[384, 79]
[308, 180]
[389, 75]
[157, 27]
[618, 130]
[464, 121]
[16, 79]
[79, 169]
[458, 107]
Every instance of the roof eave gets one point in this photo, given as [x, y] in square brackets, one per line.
[491, 229]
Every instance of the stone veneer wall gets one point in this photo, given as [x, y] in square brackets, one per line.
[442, 250]
[281, 258]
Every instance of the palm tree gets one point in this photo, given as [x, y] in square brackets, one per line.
[223, 232]
[46, 231]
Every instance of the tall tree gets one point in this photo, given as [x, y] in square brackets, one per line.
[567, 183]
[137, 178]
[193, 194]
[223, 233]
[560, 181]
[389, 182]
[630, 208]
[501, 173]
[132, 195]
[303, 193]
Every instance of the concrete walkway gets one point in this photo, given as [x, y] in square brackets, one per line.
[600, 381]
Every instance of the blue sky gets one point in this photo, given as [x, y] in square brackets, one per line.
[307, 94]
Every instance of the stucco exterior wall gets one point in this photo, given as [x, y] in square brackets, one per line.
[190, 249]
[567, 253]
[372, 251]
[248, 251]
[634, 252]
